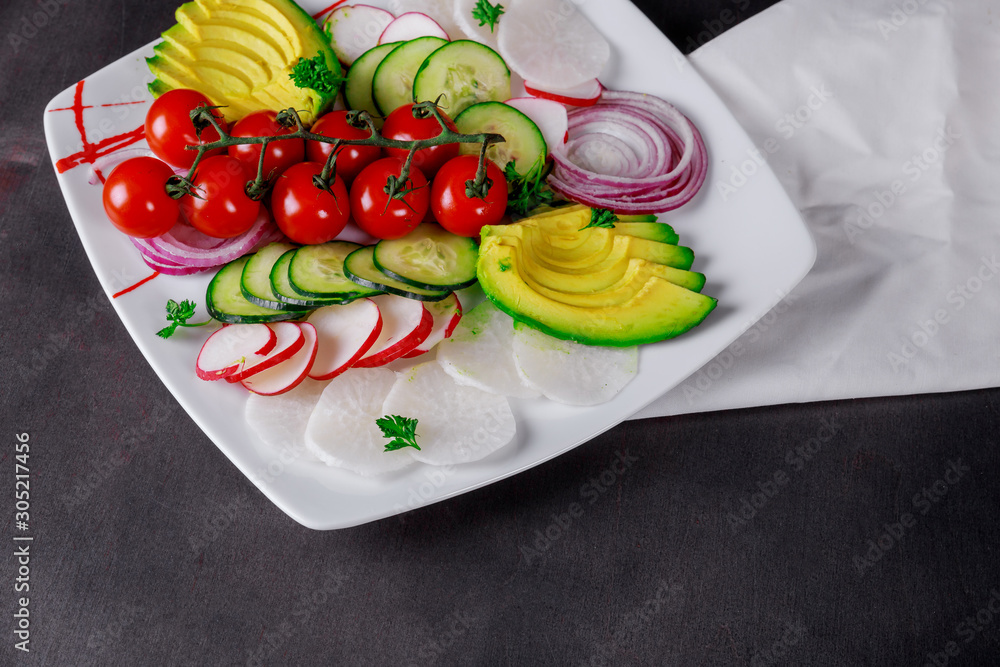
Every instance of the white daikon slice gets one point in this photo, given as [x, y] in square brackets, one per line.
[280, 421]
[569, 372]
[455, 423]
[462, 14]
[342, 430]
[480, 353]
[551, 43]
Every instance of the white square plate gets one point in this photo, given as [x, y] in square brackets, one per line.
[752, 245]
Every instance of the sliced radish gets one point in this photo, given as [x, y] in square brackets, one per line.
[551, 43]
[585, 95]
[354, 29]
[410, 26]
[550, 117]
[455, 423]
[446, 313]
[229, 349]
[405, 324]
[481, 353]
[571, 373]
[280, 421]
[462, 14]
[290, 340]
[345, 333]
[441, 11]
[289, 373]
[342, 430]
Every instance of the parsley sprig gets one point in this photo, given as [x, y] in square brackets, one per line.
[401, 431]
[525, 193]
[314, 73]
[602, 217]
[487, 13]
[178, 315]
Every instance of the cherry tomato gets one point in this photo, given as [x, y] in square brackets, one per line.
[305, 213]
[222, 208]
[350, 159]
[401, 125]
[280, 154]
[135, 199]
[169, 129]
[453, 208]
[381, 217]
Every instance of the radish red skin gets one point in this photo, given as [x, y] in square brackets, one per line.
[330, 338]
[407, 342]
[290, 340]
[264, 382]
[259, 341]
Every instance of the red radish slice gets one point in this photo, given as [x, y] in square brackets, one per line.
[446, 313]
[462, 14]
[290, 340]
[551, 43]
[289, 373]
[411, 26]
[227, 350]
[549, 116]
[354, 29]
[405, 324]
[441, 10]
[584, 95]
[345, 333]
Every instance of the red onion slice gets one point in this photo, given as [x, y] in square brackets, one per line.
[631, 153]
[178, 245]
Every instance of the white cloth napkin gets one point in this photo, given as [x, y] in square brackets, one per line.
[881, 118]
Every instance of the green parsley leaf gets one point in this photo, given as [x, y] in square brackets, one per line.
[401, 431]
[602, 217]
[178, 315]
[315, 74]
[487, 13]
[528, 192]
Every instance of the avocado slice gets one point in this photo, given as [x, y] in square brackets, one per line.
[616, 248]
[240, 53]
[573, 219]
[658, 310]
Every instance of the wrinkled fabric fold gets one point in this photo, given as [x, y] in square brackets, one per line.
[886, 119]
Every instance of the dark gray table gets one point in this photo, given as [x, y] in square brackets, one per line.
[844, 533]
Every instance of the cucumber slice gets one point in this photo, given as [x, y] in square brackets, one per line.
[429, 257]
[226, 303]
[318, 271]
[392, 83]
[524, 141]
[285, 293]
[462, 73]
[255, 282]
[358, 89]
[360, 267]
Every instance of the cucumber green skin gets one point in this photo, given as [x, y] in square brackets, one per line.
[236, 266]
[259, 300]
[422, 91]
[430, 295]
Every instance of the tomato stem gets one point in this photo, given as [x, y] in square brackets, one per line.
[395, 186]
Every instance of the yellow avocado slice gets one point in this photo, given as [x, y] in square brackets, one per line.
[657, 311]
[240, 53]
[604, 252]
[600, 280]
